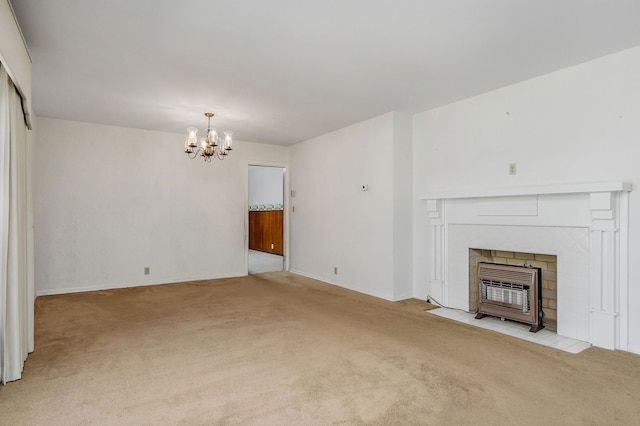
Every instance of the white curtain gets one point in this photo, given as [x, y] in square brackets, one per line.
[16, 263]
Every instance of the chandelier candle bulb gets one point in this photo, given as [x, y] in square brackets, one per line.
[228, 140]
[191, 141]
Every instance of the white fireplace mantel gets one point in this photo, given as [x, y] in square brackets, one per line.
[584, 224]
[572, 188]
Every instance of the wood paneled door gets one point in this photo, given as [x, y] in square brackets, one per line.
[266, 231]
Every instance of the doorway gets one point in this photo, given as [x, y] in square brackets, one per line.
[266, 219]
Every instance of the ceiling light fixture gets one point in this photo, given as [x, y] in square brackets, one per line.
[210, 145]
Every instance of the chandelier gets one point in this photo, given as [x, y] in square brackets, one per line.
[210, 145]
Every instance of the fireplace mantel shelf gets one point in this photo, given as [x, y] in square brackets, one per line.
[574, 188]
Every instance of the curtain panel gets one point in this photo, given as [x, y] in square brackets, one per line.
[16, 219]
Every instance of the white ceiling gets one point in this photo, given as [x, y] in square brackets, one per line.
[283, 71]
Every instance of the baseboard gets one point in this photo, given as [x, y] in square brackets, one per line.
[379, 295]
[315, 277]
[403, 296]
[111, 286]
[634, 348]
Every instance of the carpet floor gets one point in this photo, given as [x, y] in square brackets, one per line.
[278, 348]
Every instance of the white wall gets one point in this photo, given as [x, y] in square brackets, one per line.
[266, 185]
[581, 124]
[402, 206]
[336, 223]
[110, 201]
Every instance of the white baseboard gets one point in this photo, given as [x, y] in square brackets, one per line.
[110, 286]
[368, 292]
[403, 296]
[129, 284]
[634, 348]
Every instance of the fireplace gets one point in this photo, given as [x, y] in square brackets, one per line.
[584, 225]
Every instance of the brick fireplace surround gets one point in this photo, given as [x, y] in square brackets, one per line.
[584, 225]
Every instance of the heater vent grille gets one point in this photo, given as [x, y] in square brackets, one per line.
[515, 295]
[509, 274]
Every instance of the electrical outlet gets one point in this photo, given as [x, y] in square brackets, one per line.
[146, 270]
[271, 246]
[513, 168]
[335, 270]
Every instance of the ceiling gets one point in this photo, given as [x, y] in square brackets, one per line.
[283, 71]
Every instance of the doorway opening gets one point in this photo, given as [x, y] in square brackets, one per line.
[266, 219]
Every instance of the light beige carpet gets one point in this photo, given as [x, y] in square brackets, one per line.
[283, 349]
